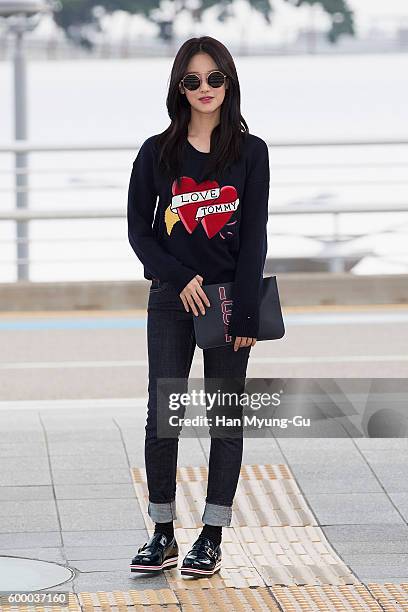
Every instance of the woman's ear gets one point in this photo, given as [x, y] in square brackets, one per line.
[181, 89]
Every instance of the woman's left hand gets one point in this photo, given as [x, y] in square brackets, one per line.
[241, 341]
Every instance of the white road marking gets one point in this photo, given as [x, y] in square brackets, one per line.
[80, 404]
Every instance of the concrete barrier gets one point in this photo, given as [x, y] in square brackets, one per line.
[295, 289]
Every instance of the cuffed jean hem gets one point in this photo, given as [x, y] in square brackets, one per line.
[162, 513]
[214, 514]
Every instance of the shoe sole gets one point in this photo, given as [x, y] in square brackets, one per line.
[154, 569]
[191, 571]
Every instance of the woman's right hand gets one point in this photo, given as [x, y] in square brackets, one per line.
[193, 295]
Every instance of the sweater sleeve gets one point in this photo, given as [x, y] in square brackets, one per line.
[246, 293]
[142, 197]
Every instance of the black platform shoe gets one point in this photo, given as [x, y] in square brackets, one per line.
[204, 559]
[158, 554]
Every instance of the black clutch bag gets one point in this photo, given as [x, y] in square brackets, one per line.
[211, 329]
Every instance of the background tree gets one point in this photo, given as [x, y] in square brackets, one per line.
[81, 18]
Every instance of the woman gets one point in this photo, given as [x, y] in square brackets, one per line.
[212, 179]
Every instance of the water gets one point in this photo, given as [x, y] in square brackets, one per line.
[283, 98]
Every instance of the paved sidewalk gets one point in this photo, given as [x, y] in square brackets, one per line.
[317, 518]
[66, 491]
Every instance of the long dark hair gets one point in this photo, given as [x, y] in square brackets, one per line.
[226, 137]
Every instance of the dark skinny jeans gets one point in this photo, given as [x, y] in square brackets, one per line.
[171, 344]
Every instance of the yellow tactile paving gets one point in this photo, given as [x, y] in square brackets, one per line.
[189, 473]
[237, 578]
[311, 598]
[270, 502]
[210, 595]
[278, 471]
[208, 599]
[293, 555]
[92, 608]
[137, 608]
[256, 503]
[392, 597]
[266, 495]
[273, 537]
[228, 600]
[206, 596]
[237, 568]
[147, 597]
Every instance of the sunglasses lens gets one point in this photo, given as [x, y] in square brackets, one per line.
[191, 82]
[216, 79]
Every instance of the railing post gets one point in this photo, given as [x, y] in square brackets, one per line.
[21, 178]
[336, 264]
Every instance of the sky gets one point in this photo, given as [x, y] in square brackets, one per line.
[380, 7]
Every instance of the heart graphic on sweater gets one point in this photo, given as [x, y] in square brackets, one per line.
[203, 202]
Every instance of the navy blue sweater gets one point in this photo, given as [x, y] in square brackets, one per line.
[213, 228]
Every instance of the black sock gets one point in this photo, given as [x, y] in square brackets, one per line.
[213, 532]
[166, 528]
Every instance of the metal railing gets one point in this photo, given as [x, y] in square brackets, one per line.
[334, 241]
[57, 48]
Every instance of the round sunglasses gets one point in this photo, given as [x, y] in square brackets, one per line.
[191, 81]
